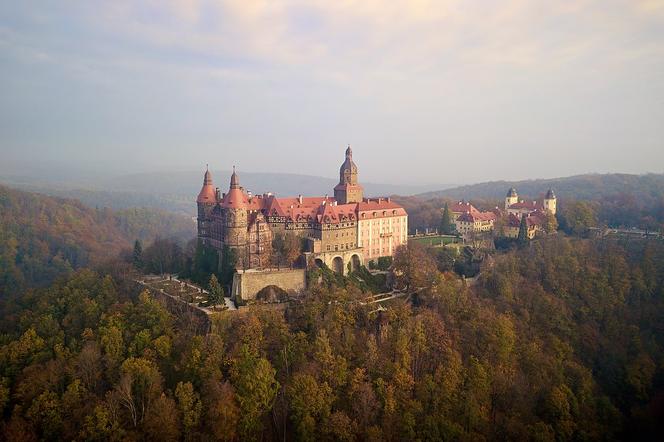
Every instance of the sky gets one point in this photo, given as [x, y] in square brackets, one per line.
[425, 91]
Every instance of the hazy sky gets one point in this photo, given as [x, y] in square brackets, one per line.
[442, 91]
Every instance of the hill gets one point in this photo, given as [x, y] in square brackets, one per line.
[615, 200]
[42, 237]
[176, 191]
[579, 187]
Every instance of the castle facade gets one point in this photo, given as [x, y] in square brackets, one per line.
[343, 232]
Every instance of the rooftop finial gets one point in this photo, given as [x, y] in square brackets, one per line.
[235, 182]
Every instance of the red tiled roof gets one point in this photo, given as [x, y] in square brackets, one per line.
[235, 199]
[531, 205]
[534, 219]
[207, 193]
[374, 208]
[463, 207]
[478, 216]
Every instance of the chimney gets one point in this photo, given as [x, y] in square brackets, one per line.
[217, 193]
[299, 199]
[388, 199]
[249, 193]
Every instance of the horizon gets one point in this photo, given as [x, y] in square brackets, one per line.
[518, 90]
[75, 180]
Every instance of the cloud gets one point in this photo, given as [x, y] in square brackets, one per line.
[469, 73]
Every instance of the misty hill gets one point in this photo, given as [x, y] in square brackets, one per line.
[581, 187]
[42, 237]
[176, 191]
[284, 184]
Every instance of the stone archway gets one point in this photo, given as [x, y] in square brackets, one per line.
[319, 263]
[338, 265]
[355, 262]
[272, 293]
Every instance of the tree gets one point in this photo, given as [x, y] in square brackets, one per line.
[215, 292]
[287, 248]
[137, 257]
[255, 387]
[413, 267]
[310, 403]
[223, 413]
[577, 217]
[161, 420]
[523, 230]
[139, 386]
[189, 405]
[446, 225]
[551, 223]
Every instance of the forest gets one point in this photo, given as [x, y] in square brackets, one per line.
[561, 340]
[557, 339]
[42, 237]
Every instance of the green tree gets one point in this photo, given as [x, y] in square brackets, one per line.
[551, 223]
[137, 256]
[215, 292]
[523, 230]
[100, 425]
[310, 403]
[446, 225]
[255, 387]
[577, 217]
[189, 405]
[139, 386]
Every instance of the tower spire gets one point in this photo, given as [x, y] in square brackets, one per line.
[235, 181]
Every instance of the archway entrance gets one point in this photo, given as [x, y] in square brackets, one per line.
[338, 265]
[319, 263]
[354, 263]
[272, 293]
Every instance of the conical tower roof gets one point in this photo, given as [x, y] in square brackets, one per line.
[207, 193]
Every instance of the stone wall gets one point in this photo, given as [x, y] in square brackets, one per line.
[187, 316]
[247, 283]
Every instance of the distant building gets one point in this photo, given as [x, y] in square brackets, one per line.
[536, 213]
[534, 223]
[468, 219]
[345, 231]
[518, 207]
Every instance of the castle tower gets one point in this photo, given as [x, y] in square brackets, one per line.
[550, 201]
[348, 190]
[511, 198]
[206, 200]
[235, 213]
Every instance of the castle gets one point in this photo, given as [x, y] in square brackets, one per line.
[343, 232]
[468, 219]
[535, 213]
